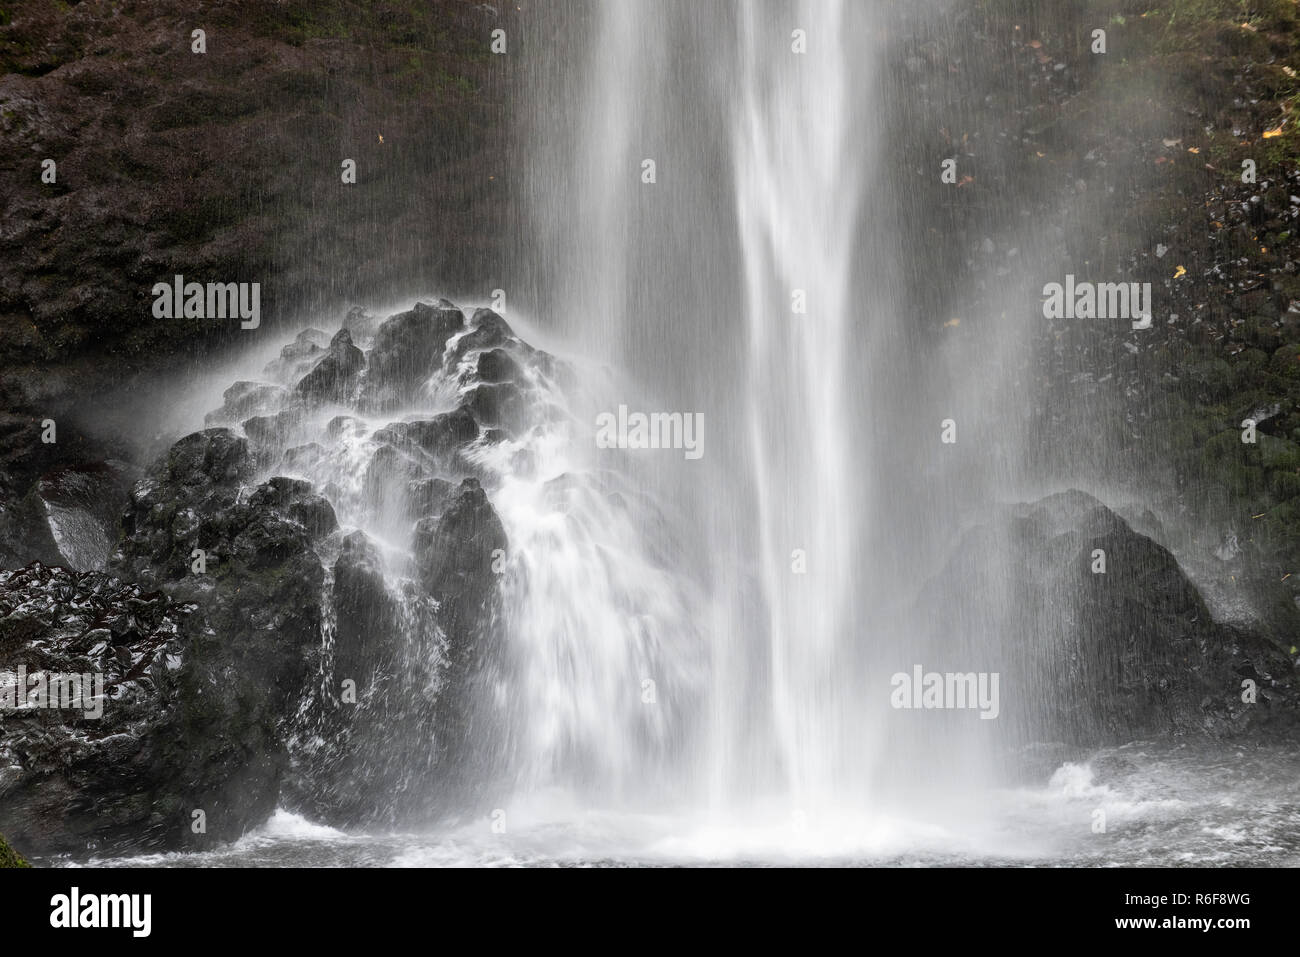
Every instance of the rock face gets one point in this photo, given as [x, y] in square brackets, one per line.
[204, 657]
[415, 639]
[253, 652]
[1114, 656]
[215, 193]
[70, 780]
[59, 501]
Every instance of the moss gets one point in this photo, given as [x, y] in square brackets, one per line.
[9, 857]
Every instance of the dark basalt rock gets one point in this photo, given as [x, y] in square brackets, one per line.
[1116, 656]
[59, 502]
[333, 378]
[500, 405]
[488, 331]
[366, 613]
[428, 496]
[70, 781]
[201, 675]
[210, 668]
[408, 349]
[442, 436]
[455, 551]
[273, 430]
[243, 399]
[496, 365]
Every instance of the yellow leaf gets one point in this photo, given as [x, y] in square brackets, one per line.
[1180, 273]
[1269, 134]
[1192, 149]
[952, 323]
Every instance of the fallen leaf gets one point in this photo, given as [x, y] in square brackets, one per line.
[1192, 149]
[1180, 273]
[952, 323]
[1269, 134]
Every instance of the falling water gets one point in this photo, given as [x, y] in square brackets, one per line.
[739, 278]
[695, 653]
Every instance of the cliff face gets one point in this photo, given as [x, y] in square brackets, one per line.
[227, 165]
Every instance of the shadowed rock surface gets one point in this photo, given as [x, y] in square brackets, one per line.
[1129, 653]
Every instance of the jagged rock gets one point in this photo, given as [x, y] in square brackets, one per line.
[488, 331]
[274, 430]
[1116, 656]
[496, 365]
[333, 377]
[408, 349]
[441, 436]
[428, 496]
[455, 551]
[500, 405]
[243, 399]
[366, 613]
[82, 505]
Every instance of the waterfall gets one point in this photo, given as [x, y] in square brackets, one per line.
[739, 275]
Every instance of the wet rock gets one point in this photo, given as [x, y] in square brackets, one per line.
[501, 405]
[125, 769]
[333, 378]
[273, 430]
[443, 435]
[488, 331]
[408, 349]
[455, 551]
[361, 323]
[366, 614]
[496, 365]
[244, 399]
[388, 475]
[1114, 655]
[206, 656]
[82, 505]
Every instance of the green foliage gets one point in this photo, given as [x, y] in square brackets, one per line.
[9, 857]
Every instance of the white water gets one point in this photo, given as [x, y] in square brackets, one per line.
[676, 688]
[797, 202]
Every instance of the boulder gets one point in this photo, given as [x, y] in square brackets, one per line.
[1092, 657]
[407, 351]
[333, 377]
